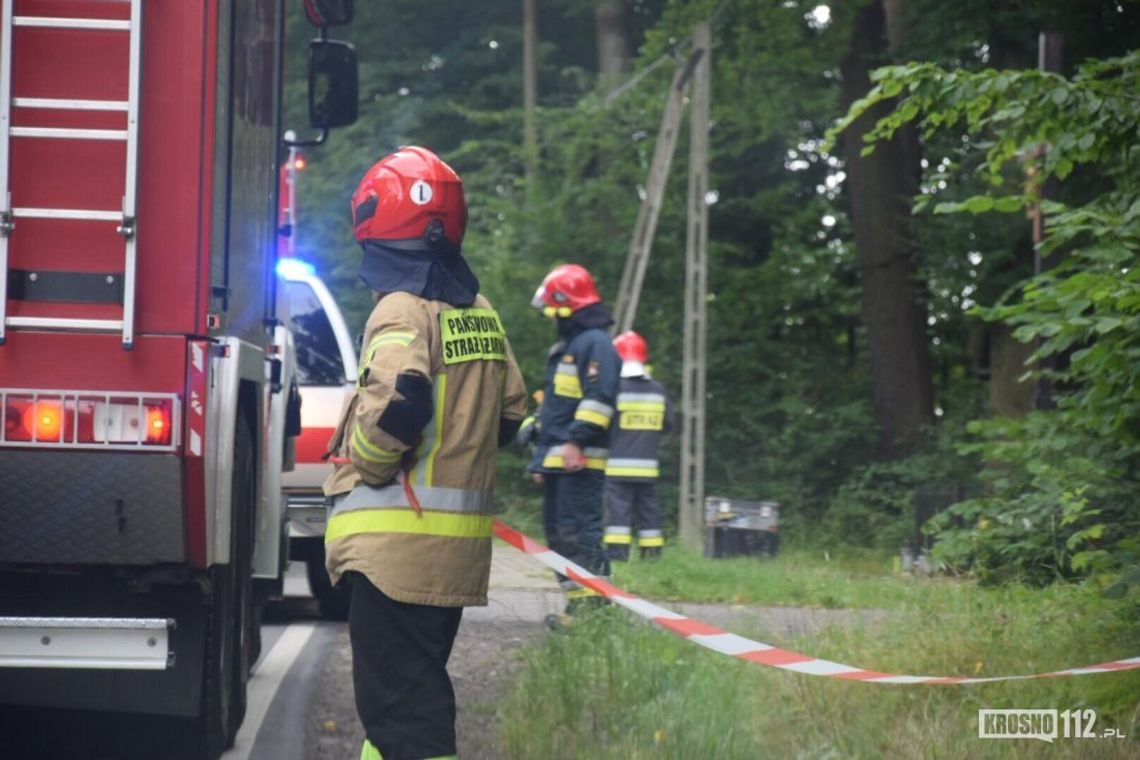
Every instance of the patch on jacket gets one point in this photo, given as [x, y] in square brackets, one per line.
[592, 370]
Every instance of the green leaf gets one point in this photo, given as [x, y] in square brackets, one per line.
[1009, 204]
[1108, 324]
[979, 204]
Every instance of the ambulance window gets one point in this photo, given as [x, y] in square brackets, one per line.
[318, 356]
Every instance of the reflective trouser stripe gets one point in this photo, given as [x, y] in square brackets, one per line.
[625, 467]
[632, 472]
[369, 752]
[580, 593]
[648, 542]
[427, 523]
[616, 538]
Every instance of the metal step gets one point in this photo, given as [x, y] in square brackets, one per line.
[100, 643]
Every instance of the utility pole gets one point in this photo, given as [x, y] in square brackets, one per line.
[691, 513]
[644, 230]
[530, 95]
[1049, 58]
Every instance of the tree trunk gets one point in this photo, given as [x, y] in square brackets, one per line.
[882, 186]
[530, 94]
[612, 35]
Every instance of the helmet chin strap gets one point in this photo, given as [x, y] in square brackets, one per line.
[433, 233]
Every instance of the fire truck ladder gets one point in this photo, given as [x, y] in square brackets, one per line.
[125, 218]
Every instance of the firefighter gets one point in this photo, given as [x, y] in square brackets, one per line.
[574, 422]
[644, 414]
[438, 392]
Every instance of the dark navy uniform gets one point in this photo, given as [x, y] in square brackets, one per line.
[644, 415]
[579, 394]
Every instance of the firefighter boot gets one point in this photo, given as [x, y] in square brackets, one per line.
[618, 552]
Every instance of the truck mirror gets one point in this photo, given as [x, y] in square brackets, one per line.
[322, 13]
[333, 88]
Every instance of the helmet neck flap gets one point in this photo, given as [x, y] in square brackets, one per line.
[437, 275]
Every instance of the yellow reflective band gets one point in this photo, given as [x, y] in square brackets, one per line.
[369, 752]
[581, 593]
[640, 406]
[371, 452]
[649, 543]
[566, 384]
[557, 311]
[587, 415]
[441, 395]
[556, 461]
[468, 335]
[617, 538]
[385, 338]
[427, 523]
[632, 472]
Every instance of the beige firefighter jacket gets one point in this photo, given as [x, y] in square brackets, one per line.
[440, 555]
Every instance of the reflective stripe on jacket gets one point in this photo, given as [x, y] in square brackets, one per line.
[579, 392]
[644, 415]
[435, 383]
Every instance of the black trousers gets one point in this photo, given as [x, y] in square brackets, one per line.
[572, 517]
[629, 503]
[399, 671]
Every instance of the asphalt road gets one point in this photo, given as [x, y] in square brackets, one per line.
[300, 699]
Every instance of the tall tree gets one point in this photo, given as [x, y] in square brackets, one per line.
[530, 93]
[612, 31]
[881, 186]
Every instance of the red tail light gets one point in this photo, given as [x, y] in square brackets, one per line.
[45, 421]
[158, 424]
[83, 420]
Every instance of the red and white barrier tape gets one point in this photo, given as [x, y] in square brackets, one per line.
[724, 642]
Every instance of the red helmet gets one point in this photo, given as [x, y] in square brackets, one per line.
[413, 197]
[631, 347]
[565, 290]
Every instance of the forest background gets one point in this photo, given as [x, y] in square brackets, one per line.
[882, 329]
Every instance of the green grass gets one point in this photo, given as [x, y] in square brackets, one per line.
[799, 578]
[616, 687]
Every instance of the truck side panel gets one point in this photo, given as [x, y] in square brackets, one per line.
[176, 129]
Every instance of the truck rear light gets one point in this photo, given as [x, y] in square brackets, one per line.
[126, 420]
[79, 419]
[47, 420]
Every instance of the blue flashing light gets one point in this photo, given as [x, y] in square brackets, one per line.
[295, 269]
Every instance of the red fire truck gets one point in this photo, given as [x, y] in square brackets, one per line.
[147, 393]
